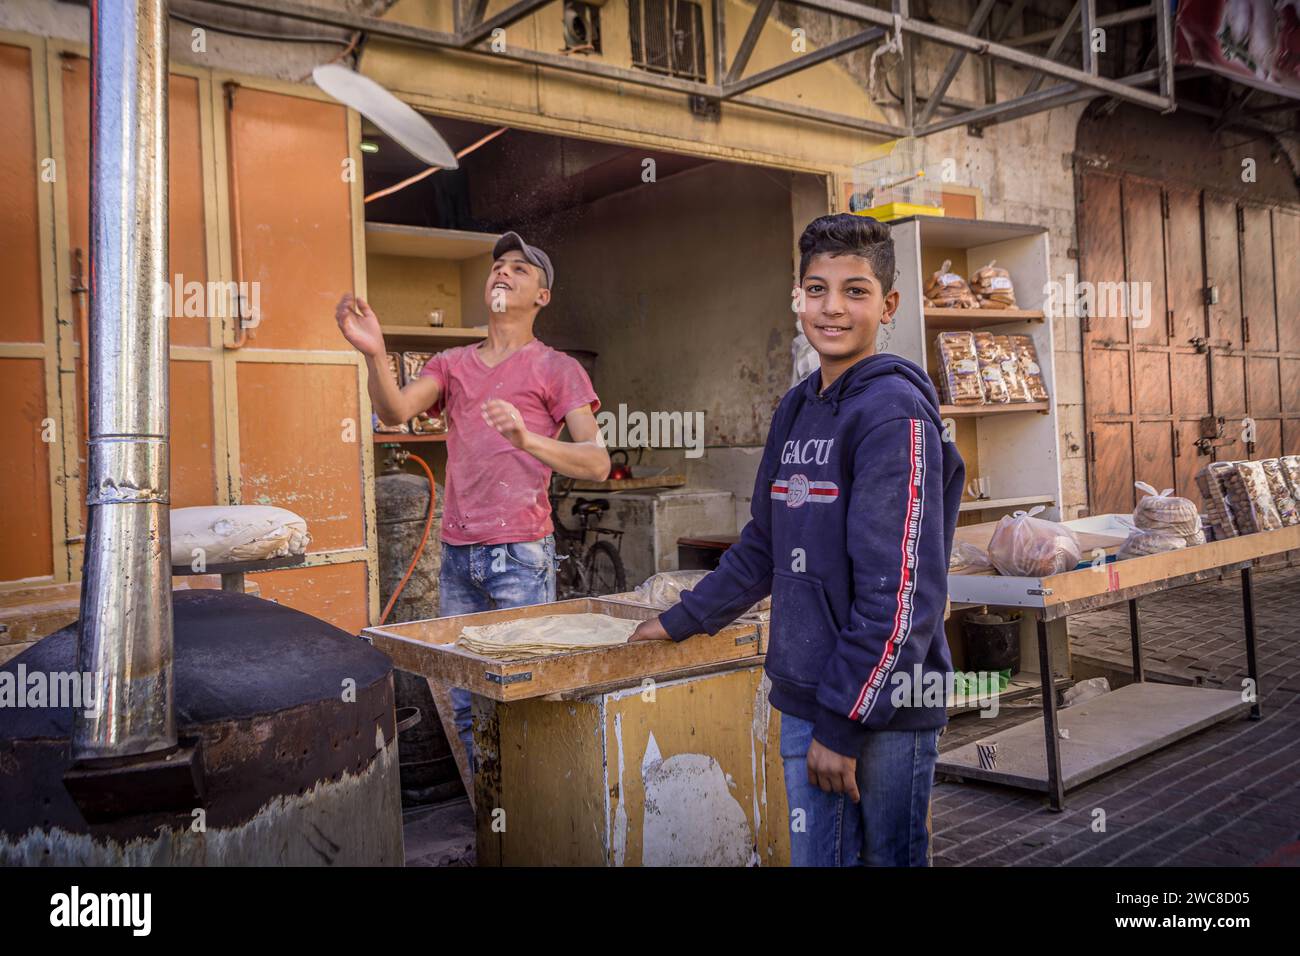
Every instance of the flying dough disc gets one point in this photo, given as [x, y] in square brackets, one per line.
[407, 128]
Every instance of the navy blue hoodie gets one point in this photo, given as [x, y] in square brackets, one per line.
[852, 522]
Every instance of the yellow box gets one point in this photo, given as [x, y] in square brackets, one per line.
[899, 210]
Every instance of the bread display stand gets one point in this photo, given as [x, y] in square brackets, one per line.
[1117, 728]
[650, 753]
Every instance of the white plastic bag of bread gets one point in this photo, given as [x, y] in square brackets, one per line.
[1142, 543]
[226, 534]
[947, 290]
[1162, 511]
[992, 287]
[1027, 546]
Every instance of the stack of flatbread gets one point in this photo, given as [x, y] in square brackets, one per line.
[551, 634]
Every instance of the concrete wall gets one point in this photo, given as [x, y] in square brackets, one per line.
[682, 287]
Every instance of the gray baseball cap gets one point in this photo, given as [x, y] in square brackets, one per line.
[512, 240]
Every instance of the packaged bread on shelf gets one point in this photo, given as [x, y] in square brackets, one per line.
[1012, 373]
[996, 390]
[1253, 509]
[1212, 482]
[947, 290]
[1026, 356]
[959, 369]
[1280, 488]
[992, 287]
[1291, 472]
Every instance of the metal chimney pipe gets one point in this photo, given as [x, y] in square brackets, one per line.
[125, 632]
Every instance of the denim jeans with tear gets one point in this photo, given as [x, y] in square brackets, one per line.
[487, 577]
[890, 827]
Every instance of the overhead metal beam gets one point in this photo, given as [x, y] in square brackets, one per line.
[828, 52]
[719, 40]
[747, 43]
[955, 38]
[1087, 23]
[1050, 98]
[1165, 46]
[975, 24]
[436, 39]
[1109, 20]
[1012, 17]
[1062, 34]
[476, 30]
[890, 130]
[1124, 89]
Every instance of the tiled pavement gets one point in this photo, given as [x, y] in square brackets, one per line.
[1228, 796]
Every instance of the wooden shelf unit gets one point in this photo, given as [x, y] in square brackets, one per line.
[1014, 446]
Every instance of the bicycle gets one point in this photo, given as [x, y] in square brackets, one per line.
[588, 560]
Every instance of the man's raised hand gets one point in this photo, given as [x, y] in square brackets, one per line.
[359, 325]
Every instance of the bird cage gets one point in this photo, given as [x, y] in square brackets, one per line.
[896, 185]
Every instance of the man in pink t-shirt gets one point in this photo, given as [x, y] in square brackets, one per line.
[507, 400]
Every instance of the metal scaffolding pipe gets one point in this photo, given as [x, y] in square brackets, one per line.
[125, 632]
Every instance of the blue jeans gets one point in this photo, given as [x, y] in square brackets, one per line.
[889, 827]
[486, 577]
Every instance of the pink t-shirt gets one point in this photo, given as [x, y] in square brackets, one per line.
[495, 492]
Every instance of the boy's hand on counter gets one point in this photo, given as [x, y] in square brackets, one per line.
[505, 418]
[650, 630]
[832, 772]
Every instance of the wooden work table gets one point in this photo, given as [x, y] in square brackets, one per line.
[1126, 724]
[649, 753]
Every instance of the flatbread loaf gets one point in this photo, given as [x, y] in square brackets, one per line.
[551, 634]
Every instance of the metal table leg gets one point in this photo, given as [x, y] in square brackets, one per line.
[1055, 789]
[1248, 611]
[1135, 631]
[233, 581]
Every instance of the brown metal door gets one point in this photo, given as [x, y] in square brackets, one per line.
[300, 428]
[30, 429]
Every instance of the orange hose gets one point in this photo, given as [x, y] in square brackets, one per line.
[380, 194]
[428, 524]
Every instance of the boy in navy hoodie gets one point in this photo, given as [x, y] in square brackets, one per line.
[852, 523]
